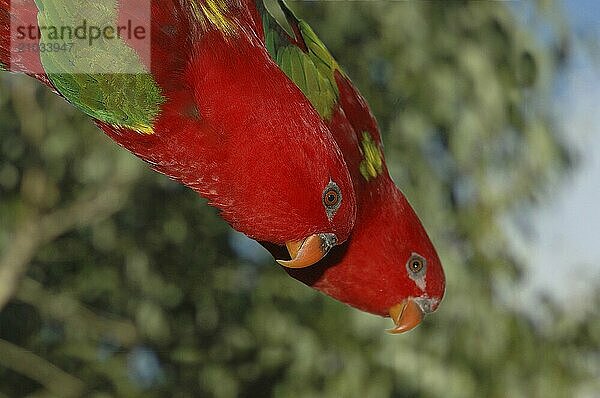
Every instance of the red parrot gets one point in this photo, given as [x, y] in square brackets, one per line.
[389, 266]
[211, 110]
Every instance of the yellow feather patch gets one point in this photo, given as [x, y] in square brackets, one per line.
[213, 13]
[138, 128]
[372, 163]
[144, 129]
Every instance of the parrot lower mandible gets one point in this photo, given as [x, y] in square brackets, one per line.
[389, 266]
[211, 110]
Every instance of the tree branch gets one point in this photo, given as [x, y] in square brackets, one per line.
[32, 234]
[27, 363]
[65, 308]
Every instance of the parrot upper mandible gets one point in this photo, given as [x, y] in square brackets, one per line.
[388, 266]
[212, 111]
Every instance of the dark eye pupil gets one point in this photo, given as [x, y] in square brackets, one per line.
[331, 198]
[416, 266]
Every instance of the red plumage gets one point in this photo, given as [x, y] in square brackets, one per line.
[235, 129]
[368, 272]
[388, 266]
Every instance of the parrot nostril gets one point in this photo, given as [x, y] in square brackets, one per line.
[427, 304]
[328, 241]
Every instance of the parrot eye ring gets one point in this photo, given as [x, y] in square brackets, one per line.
[332, 199]
[416, 264]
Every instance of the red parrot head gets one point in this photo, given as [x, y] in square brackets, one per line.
[388, 267]
[398, 275]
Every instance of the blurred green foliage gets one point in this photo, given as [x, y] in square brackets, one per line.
[128, 284]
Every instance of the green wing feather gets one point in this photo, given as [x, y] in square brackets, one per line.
[130, 99]
[305, 59]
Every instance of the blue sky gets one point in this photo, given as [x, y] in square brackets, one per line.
[584, 15]
[564, 255]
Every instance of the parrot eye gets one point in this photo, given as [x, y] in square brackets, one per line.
[416, 264]
[332, 199]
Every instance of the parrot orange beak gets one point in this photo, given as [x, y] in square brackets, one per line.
[309, 251]
[407, 315]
